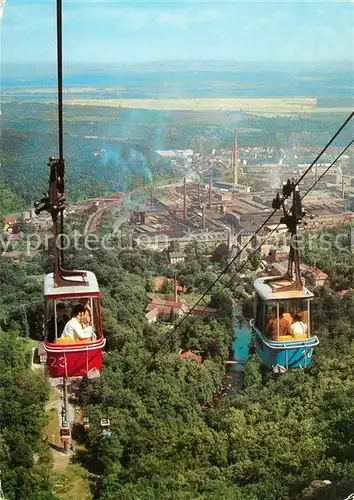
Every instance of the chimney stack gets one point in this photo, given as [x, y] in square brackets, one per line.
[199, 192]
[201, 146]
[175, 288]
[203, 217]
[185, 198]
[235, 161]
[209, 202]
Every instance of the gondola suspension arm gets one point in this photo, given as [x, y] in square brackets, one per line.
[53, 201]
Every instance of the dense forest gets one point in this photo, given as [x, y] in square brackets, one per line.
[332, 251]
[280, 433]
[24, 458]
[94, 168]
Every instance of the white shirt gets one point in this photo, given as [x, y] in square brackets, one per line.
[74, 330]
[298, 328]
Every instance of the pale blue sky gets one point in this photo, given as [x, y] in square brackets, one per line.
[141, 31]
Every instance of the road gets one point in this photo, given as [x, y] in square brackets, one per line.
[61, 460]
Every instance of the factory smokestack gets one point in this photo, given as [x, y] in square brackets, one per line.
[199, 192]
[209, 202]
[235, 161]
[203, 217]
[201, 146]
[175, 288]
[185, 198]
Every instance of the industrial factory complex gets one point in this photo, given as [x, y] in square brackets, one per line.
[219, 212]
[221, 199]
[217, 216]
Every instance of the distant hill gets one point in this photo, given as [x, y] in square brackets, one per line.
[91, 169]
[181, 79]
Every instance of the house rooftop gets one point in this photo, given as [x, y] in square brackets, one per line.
[158, 301]
[191, 355]
[10, 220]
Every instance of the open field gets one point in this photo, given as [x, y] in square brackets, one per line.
[72, 484]
[275, 106]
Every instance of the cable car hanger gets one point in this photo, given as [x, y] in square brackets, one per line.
[53, 201]
[292, 218]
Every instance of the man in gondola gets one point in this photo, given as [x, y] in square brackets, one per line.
[75, 328]
[61, 318]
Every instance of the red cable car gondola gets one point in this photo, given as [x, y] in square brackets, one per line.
[65, 432]
[66, 356]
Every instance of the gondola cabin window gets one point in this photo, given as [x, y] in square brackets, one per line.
[268, 309]
[72, 312]
[73, 320]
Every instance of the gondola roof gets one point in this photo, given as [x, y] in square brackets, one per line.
[268, 291]
[91, 289]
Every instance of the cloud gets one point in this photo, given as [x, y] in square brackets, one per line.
[173, 18]
[116, 31]
[183, 20]
[209, 15]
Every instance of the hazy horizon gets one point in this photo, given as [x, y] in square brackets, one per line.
[30, 71]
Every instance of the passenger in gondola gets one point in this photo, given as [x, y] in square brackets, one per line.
[61, 318]
[75, 328]
[87, 319]
[299, 327]
[87, 315]
[277, 325]
[288, 317]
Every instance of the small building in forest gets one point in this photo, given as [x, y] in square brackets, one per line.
[175, 257]
[160, 308]
[191, 355]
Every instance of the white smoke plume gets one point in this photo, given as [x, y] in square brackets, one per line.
[192, 174]
[2, 3]
[274, 178]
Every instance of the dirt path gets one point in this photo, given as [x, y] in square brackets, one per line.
[60, 460]
[53, 407]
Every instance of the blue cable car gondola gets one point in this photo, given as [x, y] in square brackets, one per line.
[283, 304]
[287, 351]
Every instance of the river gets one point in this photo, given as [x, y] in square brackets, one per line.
[241, 343]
